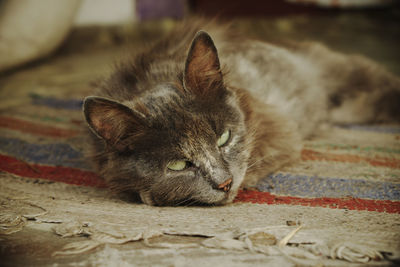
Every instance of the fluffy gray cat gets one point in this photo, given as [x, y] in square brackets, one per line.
[201, 113]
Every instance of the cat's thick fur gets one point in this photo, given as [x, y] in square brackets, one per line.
[173, 101]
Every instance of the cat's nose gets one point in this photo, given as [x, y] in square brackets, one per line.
[225, 186]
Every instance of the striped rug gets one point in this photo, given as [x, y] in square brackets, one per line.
[349, 167]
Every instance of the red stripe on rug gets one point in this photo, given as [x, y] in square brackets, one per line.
[307, 154]
[325, 202]
[35, 128]
[87, 178]
[59, 174]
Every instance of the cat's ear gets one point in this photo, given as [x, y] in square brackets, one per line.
[202, 74]
[111, 120]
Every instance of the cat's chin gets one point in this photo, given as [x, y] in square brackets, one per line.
[216, 200]
[229, 198]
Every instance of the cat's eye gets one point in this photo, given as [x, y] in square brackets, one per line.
[178, 165]
[224, 138]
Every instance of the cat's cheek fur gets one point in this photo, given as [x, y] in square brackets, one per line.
[238, 165]
[238, 179]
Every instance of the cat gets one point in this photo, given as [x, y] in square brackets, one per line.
[204, 112]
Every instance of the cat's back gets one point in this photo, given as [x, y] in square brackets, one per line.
[287, 77]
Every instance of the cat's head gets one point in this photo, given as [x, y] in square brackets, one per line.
[181, 142]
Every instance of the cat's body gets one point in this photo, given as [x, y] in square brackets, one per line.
[190, 122]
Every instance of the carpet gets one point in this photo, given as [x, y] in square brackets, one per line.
[350, 167]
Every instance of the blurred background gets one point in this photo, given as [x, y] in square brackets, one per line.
[34, 30]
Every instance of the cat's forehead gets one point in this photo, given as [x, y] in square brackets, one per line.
[168, 106]
[169, 101]
[163, 91]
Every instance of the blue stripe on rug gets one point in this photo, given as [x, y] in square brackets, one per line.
[56, 154]
[314, 186]
[372, 128]
[71, 104]
[76, 104]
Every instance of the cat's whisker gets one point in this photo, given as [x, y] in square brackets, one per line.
[192, 202]
[183, 203]
[255, 162]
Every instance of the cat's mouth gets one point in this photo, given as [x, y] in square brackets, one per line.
[215, 195]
